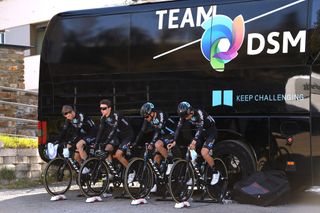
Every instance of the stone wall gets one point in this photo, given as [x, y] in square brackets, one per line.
[12, 75]
[25, 162]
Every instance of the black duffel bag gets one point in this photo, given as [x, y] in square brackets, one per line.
[263, 188]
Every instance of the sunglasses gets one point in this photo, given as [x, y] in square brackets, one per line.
[66, 113]
[103, 108]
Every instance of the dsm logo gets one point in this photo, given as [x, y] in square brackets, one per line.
[222, 39]
[222, 97]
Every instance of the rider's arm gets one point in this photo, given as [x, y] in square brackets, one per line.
[158, 128]
[114, 126]
[101, 129]
[142, 131]
[176, 133]
[63, 131]
[90, 126]
[200, 124]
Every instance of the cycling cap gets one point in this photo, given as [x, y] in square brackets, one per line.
[184, 108]
[146, 109]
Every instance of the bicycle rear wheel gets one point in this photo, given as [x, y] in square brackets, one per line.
[217, 191]
[57, 176]
[181, 181]
[93, 177]
[142, 183]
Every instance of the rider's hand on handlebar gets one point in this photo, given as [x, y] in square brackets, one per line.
[150, 146]
[170, 145]
[193, 144]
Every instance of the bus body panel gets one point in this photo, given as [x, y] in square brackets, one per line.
[267, 93]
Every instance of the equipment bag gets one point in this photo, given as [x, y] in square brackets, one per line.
[263, 188]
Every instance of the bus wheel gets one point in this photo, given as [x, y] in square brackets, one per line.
[238, 158]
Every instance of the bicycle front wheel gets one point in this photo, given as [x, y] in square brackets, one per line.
[57, 176]
[217, 190]
[138, 178]
[181, 181]
[93, 177]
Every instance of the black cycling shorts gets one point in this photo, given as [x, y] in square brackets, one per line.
[88, 139]
[123, 146]
[166, 140]
[120, 144]
[209, 142]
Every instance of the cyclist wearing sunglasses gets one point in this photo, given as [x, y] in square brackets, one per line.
[115, 131]
[81, 129]
[205, 127]
[163, 131]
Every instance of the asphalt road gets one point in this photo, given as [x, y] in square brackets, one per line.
[37, 200]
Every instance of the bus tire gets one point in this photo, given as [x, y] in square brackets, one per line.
[238, 158]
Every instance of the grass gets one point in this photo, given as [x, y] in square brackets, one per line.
[8, 180]
[22, 184]
[17, 142]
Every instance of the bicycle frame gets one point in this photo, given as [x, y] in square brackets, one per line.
[198, 175]
[148, 159]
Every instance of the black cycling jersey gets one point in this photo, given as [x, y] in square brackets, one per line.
[115, 125]
[80, 126]
[201, 121]
[161, 124]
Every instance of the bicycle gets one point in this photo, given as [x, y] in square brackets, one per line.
[146, 173]
[98, 172]
[59, 173]
[185, 175]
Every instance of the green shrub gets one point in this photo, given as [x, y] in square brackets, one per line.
[7, 174]
[17, 142]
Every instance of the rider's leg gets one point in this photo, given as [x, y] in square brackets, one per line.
[205, 151]
[109, 148]
[120, 157]
[161, 149]
[206, 156]
[157, 158]
[80, 148]
[77, 157]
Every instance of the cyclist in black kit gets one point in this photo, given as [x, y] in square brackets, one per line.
[115, 131]
[162, 127]
[82, 129]
[163, 132]
[205, 125]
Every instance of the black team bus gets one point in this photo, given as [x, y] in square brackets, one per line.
[252, 64]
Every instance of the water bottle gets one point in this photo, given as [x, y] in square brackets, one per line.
[203, 166]
[66, 152]
[91, 151]
[194, 156]
[170, 156]
[162, 166]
